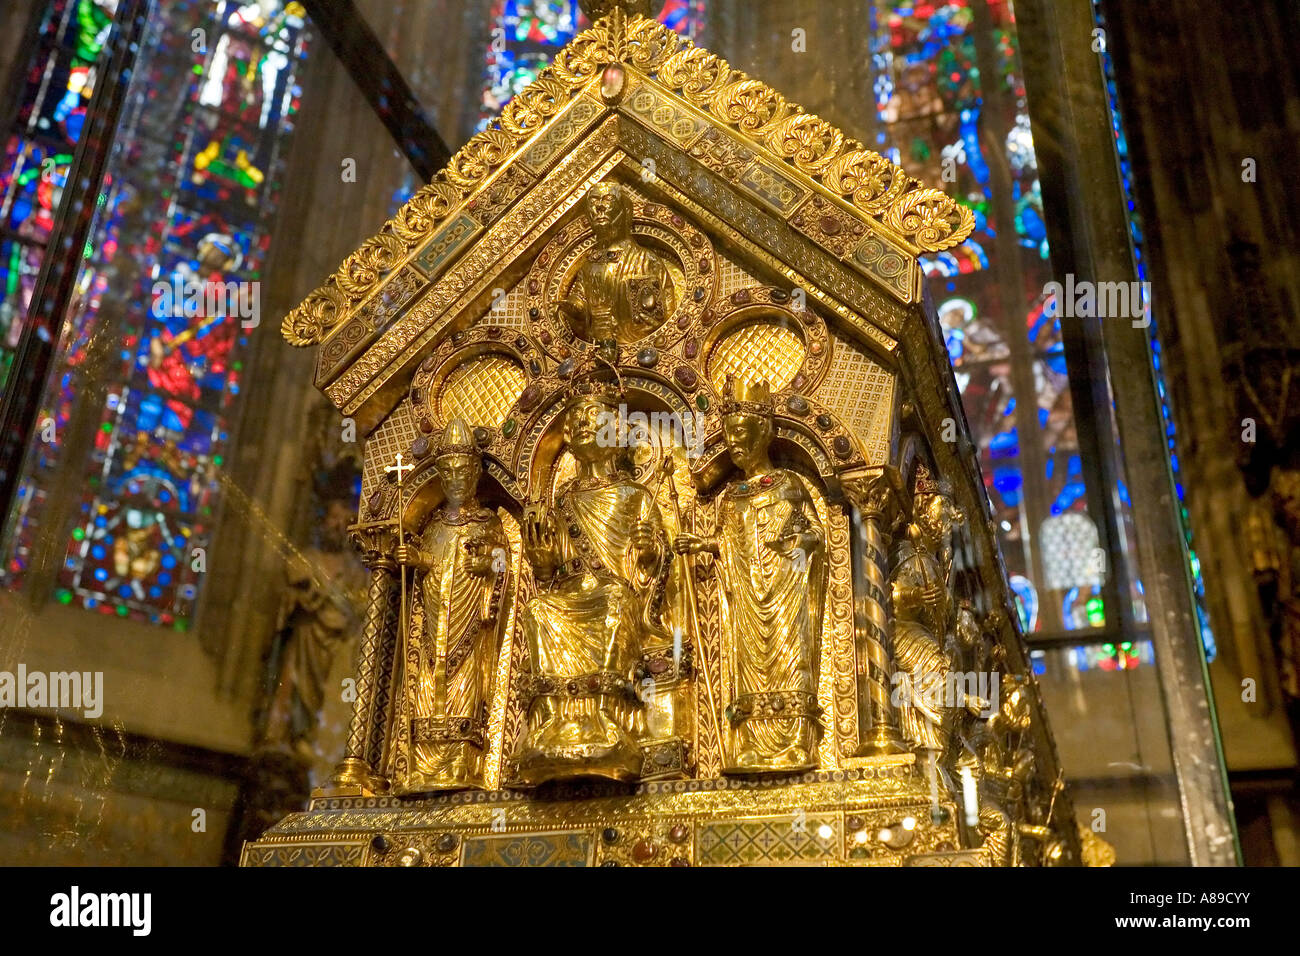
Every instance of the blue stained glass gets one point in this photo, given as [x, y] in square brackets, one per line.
[1005, 445]
[1072, 492]
[1055, 359]
[1007, 480]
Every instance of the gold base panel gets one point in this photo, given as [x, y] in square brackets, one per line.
[877, 814]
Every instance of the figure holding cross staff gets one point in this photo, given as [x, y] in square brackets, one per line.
[449, 645]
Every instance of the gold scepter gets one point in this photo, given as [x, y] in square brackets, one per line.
[400, 469]
[690, 593]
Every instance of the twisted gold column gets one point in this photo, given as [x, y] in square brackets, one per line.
[874, 500]
[357, 773]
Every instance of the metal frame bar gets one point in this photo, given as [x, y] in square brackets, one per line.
[363, 55]
[1089, 235]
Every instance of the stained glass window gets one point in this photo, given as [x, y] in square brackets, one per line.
[172, 278]
[56, 85]
[951, 108]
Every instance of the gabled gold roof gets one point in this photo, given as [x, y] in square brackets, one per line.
[867, 188]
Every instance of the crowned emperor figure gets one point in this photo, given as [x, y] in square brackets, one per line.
[449, 655]
[600, 557]
[771, 559]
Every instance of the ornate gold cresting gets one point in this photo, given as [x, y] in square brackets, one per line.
[704, 563]
[863, 184]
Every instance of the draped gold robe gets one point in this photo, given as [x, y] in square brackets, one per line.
[924, 710]
[771, 624]
[625, 291]
[584, 634]
[449, 659]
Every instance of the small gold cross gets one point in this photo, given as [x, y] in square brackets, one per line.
[400, 468]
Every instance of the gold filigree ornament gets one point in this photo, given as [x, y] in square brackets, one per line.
[691, 266]
[923, 219]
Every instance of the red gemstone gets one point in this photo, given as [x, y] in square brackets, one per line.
[644, 851]
[611, 82]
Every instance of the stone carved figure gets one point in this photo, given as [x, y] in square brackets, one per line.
[316, 615]
[600, 558]
[623, 291]
[771, 559]
[449, 656]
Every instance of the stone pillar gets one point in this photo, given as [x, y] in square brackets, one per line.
[875, 502]
[359, 772]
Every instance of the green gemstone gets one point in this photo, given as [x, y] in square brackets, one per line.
[509, 427]
[702, 402]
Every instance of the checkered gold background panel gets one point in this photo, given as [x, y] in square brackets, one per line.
[394, 434]
[757, 351]
[481, 390]
[861, 393]
[732, 276]
[511, 309]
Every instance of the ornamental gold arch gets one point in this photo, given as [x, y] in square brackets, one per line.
[515, 463]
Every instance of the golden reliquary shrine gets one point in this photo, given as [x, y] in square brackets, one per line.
[679, 554]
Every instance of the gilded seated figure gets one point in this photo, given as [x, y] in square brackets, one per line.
[448, 659]
[771, 559]
[921, 680]
[623, 291]
[600, 557]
